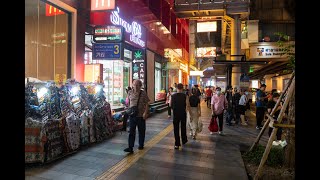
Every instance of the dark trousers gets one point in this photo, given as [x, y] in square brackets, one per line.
[141, 123]
[169, 110]
[237, 112]
[279, 132]
[259, 115]
[125, 120]
[229, 116]
[220, 117]
[209, 102]
[176, 124]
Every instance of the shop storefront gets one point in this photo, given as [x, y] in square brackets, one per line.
[178, 73]
[49, 40]
[120, 47]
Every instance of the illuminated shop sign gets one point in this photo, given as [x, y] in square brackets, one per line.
[138, 65]
[52, 11]
[206, 52]
[102, 5]
[134, 28]
[207, 26]
[184, 67]
[107, 34]
[106, 51]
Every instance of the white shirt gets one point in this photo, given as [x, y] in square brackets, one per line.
[243, 100]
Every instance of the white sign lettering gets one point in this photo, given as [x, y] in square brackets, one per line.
[134, 28]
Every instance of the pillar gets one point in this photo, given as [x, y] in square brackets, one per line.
[235, 49]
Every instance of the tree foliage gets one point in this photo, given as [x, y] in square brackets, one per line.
[289, 49]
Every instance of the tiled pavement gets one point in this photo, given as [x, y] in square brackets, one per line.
[208, 157]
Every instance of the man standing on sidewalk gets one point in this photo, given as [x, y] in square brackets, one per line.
[138, 97]
[179, 104]
[218, 104]
[260, 105]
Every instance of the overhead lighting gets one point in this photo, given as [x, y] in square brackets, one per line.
[162, 28]
[158, 23]
[221, 77]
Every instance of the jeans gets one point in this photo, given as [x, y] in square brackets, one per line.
[259, 115]
[209, 102]
[220, 122]
[176, 124]
[169, 110]
[141, 123]
[229, 116]
[279, 132]
[125, 119]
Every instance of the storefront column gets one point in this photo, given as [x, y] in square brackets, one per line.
[235, 49]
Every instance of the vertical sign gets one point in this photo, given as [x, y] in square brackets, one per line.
[102, 5]
[244, 81]
[138, 66]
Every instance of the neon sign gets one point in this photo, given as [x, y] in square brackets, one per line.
[102, 5]
[52, 11]
[134, 28]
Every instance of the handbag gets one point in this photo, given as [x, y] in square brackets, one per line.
[133, 111]
[213, 126]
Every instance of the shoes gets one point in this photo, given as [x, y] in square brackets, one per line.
[140, 147]
[194, 137]
[260, 127]
[190, 133]
[176, 147]
[229, 124]
[244, 124]
[169, 116]
[221, 133]
[129, 150]
[184, 142]
[257, 127]
[211, 133]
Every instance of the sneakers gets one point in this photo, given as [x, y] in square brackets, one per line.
[140, 147]
[244, 124]
[190, 133]
[169, 116]
[194, 137]
[129, 150]
[211, 133]
[184, 142]
[221, 133]
[176, 147]
[257, 127]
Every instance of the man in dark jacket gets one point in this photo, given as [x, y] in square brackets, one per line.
[179, 106]
[235, 102]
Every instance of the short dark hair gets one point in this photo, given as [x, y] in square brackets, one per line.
[218, 88]
[171, 88]
[263, 85]
[180, 86]
[193, 91]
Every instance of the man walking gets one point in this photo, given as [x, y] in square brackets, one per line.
[218, 104]
[139, 98]
[179, 104]
[230, 109]
[260, 105]
[208, 96]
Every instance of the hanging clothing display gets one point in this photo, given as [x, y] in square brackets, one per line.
[34, 145]
[59, 120]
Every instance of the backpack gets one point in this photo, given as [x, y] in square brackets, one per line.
[193, 100]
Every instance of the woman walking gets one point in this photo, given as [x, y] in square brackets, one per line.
[195, 112]
[169, 100]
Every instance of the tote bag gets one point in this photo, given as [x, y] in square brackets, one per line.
[213, 126]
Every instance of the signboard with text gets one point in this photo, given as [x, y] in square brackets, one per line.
[138, 66]
[103, 34]
[244, 81]
[106, 51]
[103, 5]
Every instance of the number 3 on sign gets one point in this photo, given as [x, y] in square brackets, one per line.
[117, 49]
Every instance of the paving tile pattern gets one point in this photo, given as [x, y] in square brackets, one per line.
[208, 157]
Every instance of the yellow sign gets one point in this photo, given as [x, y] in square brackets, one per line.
[60, 79]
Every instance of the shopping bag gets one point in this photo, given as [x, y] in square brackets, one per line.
[213, 126]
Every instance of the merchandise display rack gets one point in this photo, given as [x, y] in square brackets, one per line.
[59, 120]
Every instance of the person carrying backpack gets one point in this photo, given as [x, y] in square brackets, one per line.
[195, 112]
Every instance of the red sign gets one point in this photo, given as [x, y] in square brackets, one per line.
[52, 11]
[102, 5]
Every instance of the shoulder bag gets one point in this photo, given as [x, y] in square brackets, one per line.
[133, 111]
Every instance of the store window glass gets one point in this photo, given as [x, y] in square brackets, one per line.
[157, 79]
[47, 40]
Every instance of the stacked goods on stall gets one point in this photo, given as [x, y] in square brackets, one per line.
[60, 119]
